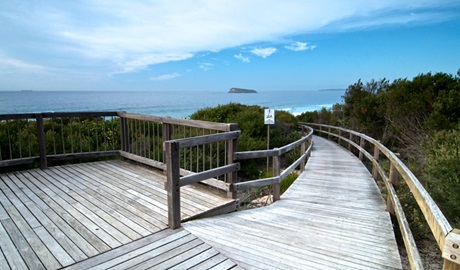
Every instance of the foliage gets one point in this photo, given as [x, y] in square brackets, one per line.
[287, 182]
[18, 138]
[443, 172]
[417, 118]
[250, 120]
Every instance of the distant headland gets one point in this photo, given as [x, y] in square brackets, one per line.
[235, 90]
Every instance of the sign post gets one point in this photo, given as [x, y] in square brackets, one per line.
[269, 119]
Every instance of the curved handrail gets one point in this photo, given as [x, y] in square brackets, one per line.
[448, 239]
[276, 154]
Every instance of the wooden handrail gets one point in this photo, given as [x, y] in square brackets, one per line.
[175, 181]
[448, 239]
[276, 154]
[40, 136]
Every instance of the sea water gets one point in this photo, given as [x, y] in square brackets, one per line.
[177, 104]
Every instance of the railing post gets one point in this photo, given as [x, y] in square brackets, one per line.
[302, 151]
[350, 139]
[310, 142]
[166, 136]
[276, 172]
[376, 160]
[340, 137]
[172, 184]
[124, 134]
[361, 144]
[329, 133]
[394, 180]
[232, 178]
[41, 141]
[451, 251]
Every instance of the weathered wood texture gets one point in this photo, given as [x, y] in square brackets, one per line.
[66, 214]
[168, 249]
[332, 217]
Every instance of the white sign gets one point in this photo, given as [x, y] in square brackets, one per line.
[269, 117]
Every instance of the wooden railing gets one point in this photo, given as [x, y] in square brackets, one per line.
[205, 150]
[143, 139]
[175, 181]
[305, 145]
[43, 137]
[448, 239]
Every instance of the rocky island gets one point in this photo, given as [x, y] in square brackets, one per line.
[235, 90]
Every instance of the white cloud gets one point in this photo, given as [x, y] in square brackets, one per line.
[165, 77]
[19, 65]
[242, 58]
[205, 66]
[300, 46]
[265, 52]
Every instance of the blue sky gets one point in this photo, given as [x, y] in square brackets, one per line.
[213, 45]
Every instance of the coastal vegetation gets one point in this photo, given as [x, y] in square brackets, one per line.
[250, 120]
[419, 119]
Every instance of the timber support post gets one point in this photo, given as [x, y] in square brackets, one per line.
[124, 134]
[41, 142]
[276, 173]
[451, 251]
[375, 161]
[361, 145]
[350, 139]
[232, 147]
[172, 183]
[302, 151]
[394, 180]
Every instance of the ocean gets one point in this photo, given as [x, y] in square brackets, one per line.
[161, 103]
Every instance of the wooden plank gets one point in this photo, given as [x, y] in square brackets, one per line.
[123, 194]
[227, 264]
[156, 252]
[71, 215]
[211, 262]
[3, 261]
[27, 253]
[113, 221]
[122, 251]
[177, 255]
[74, 251]
[197, 259]
[34, 241]
[9, 250]
[76, 236]
[120, 198]
[147, 252]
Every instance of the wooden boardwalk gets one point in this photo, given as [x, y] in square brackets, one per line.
[64, 215]
[332, 217]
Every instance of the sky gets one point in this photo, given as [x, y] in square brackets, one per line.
[214, 45]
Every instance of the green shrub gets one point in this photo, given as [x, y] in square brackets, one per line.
[250, 120]
[443, 172]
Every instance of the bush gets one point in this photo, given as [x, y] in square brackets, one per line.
[250, 120]
[443, 172]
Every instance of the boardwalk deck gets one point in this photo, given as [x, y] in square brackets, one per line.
[332, 217]
[63, 215]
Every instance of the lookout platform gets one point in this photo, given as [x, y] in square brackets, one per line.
[63, 215]
[113, 215]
